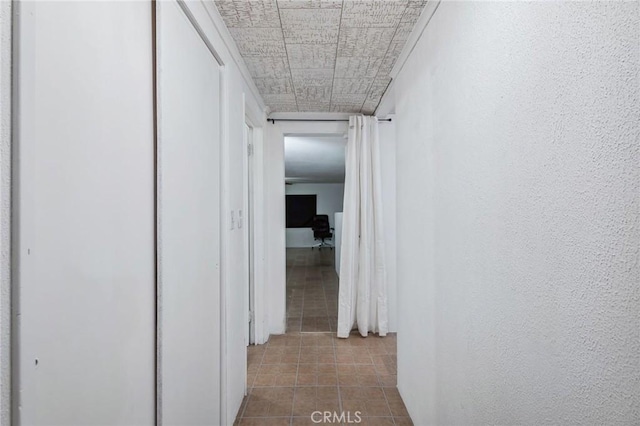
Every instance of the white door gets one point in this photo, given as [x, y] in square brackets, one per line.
[189, 222]
[85, 306]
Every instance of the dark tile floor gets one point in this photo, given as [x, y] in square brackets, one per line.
[310, 370]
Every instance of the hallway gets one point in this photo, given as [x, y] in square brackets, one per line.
[310, 370]
[151, 154]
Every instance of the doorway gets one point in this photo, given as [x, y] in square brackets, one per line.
[314, 186]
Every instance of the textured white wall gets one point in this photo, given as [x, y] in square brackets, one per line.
[5, 210]
[387, 134]
[238, 102]
[518, 215]
[235, 257]
[237, 96]
[329, 201]
[275, 237]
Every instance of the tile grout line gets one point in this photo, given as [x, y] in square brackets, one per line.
[369, 89]
[388, 405]
[295, 387]
[244, 409]
[286, 51]
[335, 357]
[382, 387]
[335, 63]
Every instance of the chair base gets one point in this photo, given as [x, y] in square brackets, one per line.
[321, 245]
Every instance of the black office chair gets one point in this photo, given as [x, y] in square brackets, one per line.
[321, 231]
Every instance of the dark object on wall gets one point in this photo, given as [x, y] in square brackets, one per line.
[322, 231]
[300, 210]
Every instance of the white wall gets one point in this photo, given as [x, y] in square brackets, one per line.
[518, 221]
[85, 239]
[387, 139]
[5, 211]
[240, 100]
[274, 224]
[240, 103]
[329, 201]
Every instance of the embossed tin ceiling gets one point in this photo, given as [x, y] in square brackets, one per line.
[320, 55]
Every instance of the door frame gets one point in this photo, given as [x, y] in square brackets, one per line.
[255, 232]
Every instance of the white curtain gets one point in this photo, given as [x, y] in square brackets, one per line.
[362, 299]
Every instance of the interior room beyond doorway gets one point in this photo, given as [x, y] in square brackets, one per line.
[314, 167]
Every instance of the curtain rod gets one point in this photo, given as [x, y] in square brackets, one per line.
[273, 120]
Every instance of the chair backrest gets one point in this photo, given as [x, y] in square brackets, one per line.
[320, 225]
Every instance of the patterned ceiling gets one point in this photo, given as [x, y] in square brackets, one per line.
[320, 55]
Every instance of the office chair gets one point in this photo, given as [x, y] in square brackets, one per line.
[321, 231]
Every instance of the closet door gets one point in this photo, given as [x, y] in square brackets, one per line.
[189, 222]
[85, 281]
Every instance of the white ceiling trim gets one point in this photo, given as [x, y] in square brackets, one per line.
[311, 116]
[414, 37]
[387, 102]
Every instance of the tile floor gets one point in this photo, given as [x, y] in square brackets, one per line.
[309, 369]
[312, 290]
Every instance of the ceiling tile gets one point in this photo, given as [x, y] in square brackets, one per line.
[404, 31]
[312, 77]
[346, 86]
[348, 99]
[372, 14]
[369, 107]
[314, 106]
[351, 107]
[310, 4]
[265, 42]
[356, 66]
[309, 94]
[247, 14]
[387, 65]
[315, 26]
[274, 86]
[311, 36]
[364, 41]
[395, 47]
[413, 11]
[310, 56]
[320, 55]
[322, 19]
[377, 89]
[275, 66]
[286, 103]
